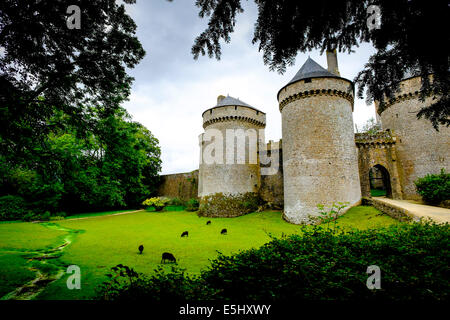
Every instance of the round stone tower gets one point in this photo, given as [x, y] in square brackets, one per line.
[320, 162]
[421, 149]
[229, 161]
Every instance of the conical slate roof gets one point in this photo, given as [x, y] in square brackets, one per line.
[311, 69]
[231, 101]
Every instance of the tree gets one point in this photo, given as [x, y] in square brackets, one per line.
[115, 164]
[44, 65]
[66, 143]
[411, 40]
[371, 126]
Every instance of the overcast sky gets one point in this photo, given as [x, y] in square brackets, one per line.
[171, 89]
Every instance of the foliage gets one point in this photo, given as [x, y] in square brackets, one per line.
[331, 214]
[409, 41]
[371, 127]
[46, 65]
[173, 286]
[66, 144]
[12, 208]
[434, 188]
[176, 202]
[115, 165]
[192, 205]
[230, 205]
[156, 202]
[316, 265]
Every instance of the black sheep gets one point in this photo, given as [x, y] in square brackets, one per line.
[141, 248]
[224, 231]
[168, 256]
[208, 222]
[185, 234]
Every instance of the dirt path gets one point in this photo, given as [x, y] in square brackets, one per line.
[106, 215]
[437, 214]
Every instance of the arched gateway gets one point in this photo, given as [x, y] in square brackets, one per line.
[378, 165]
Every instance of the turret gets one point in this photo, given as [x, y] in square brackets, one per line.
[421, 149]
[229, 161]
[320, 164]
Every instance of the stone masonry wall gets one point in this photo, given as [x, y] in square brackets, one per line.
[378, 149]
[391, 210]
[231, 178]
[272, 188]
[179, 185]
[320, 162]
[420, 148]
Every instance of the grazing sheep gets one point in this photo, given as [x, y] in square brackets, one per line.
[208, 222]
[141, 248]
[168, 256]
[185, 234]
[224, 231]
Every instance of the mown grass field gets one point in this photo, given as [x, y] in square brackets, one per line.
[103, 241]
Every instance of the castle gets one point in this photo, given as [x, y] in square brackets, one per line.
[321, 160]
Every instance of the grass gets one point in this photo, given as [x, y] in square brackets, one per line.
[377, 192]
[109, 240]
[14, 271]
[27, 236]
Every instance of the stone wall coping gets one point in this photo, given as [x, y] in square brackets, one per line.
[381, 137]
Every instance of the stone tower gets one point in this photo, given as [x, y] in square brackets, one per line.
[229, 161]
[320, 163]
[421, 149]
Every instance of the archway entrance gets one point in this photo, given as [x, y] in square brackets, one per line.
[380, 182]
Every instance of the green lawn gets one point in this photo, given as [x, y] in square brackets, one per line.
[101, 242]
[377, 192]
[13, 271]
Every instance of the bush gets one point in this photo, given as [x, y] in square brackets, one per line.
[176, 202]
[12, 208]
[45, 216]
[125, 284]
[192, 205]
[434, 188]
[316, 265]
[220, 205]
[156, 202]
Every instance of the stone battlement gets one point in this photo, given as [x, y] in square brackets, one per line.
[382, 137]
[234, 113]
[317, 92]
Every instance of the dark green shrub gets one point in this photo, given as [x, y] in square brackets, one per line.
[434, 188]
[316, 265]
[45, 216]
[126, 284]
[221, 205]
[192, 205]
[12, 208]
[176, 202]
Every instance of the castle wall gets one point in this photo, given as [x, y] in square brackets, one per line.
[272, 189]
[420, 148]
[180, 185]
[320, 163]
